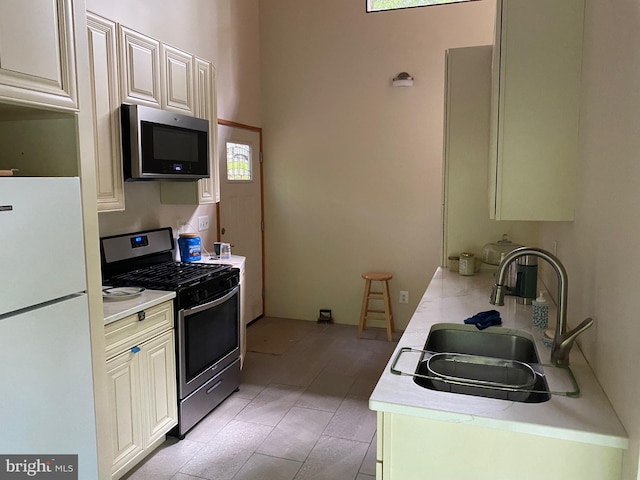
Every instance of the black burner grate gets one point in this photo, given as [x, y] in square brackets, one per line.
[169, 275]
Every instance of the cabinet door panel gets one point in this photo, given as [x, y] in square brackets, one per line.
[534, 143]
[106, 124]
[160, 396]
[177, 76]
[123, 373]
[208, 188]
[37, 56]
[139, 68]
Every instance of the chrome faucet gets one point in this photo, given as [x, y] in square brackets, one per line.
[562, 340]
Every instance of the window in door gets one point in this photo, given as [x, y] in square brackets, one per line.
[380, 5]
[239, 162]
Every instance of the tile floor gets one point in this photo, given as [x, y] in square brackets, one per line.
[301, 412]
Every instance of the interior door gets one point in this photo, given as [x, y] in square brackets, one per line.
[241, 209]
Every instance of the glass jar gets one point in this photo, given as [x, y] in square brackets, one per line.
[467, 264]
[492, 252]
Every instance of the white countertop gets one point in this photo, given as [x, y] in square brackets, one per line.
[236, 260]
[116, 309]
[450, 297]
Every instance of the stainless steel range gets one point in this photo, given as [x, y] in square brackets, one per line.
[207, 317]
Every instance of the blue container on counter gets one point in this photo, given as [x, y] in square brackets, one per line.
[190, 247]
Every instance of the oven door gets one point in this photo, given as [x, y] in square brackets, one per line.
[208, 340]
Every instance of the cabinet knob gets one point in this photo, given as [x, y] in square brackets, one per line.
[135, 349]
[141, 316]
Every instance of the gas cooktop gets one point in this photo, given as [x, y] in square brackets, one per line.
[168, 275]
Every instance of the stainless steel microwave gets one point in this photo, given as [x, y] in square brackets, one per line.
[162, 145]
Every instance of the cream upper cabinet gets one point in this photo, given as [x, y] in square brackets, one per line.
[208, 188]
[177, 80]
[37, 54]
[537, 61]
[129, 67]
[139, 68]
[205, 190]
[106, 102]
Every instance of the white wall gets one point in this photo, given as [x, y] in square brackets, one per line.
[600, 248]
[353, 167]
[224, 32]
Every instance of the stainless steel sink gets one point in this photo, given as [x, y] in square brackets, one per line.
[486, 378]
[496, 342]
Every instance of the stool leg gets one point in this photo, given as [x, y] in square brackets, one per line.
[393, 324]
[365, 300]
[387, 310]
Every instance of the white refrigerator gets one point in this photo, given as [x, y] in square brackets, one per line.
[46, 382]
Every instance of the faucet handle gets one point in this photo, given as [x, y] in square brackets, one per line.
[562, 346]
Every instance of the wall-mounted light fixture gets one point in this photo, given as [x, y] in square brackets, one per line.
[403, 79]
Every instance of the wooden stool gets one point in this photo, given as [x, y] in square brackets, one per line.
[383, 278]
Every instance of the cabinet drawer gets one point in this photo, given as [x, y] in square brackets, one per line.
[130, 331]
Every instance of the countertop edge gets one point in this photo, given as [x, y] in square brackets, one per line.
[115, 310]
[504, 425]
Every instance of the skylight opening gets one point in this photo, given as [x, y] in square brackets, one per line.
[382, 5]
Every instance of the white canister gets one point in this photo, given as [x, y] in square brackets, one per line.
[467, 264]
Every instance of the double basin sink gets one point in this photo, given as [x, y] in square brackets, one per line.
[495, 363]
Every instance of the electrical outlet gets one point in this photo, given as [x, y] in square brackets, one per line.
[404, 297]
[203, 223]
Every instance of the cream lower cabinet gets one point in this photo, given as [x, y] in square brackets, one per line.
[124, 373]
[141, 370]
[37, 53]
[417, 448]
[243, 318]
[537, 62]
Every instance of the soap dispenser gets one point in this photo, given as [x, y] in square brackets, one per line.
[540, 313]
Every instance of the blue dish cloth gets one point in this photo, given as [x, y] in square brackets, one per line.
[486, 319]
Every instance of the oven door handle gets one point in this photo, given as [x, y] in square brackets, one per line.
[214, 303]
